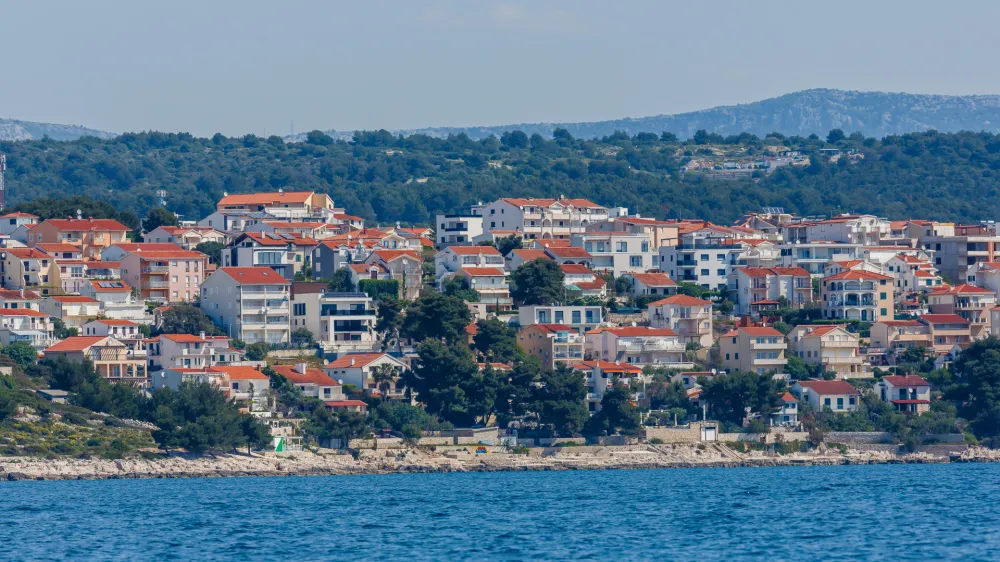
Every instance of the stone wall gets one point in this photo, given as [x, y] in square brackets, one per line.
[857, 437]
[626, 319]
[682, 434]
[770, 438]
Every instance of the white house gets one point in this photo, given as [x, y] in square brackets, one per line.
[638, 345]
[838, 396]
[312, 382]
[453, 258]
[907, 394]
[249, 303]
[358, 369]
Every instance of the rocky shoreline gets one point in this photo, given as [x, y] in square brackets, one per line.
[403, 461]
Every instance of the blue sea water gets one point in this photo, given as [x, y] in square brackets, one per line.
[915, 512]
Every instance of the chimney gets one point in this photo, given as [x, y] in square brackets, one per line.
[201, 335]
[300, 368]
[352, 361]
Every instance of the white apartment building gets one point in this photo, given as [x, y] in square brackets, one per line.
[756, 289]
[814, 256]
[618, 252]
[168, 351]
[707, 256]
[688, 317]
[26, 325]
[639, 346]
[865, 230]
[249, 303]
[347, 323]
[453, 258]
[579, 318]
[543, 218]
[457, 230]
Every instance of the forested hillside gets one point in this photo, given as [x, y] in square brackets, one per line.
[387, 178]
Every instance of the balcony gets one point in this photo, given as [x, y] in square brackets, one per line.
[762, 362]
[156, 269]
[651, 345]
[780, 344]
[352, 312]
[157, 284]
[840, 360]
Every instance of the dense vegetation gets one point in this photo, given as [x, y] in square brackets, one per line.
[379, 176]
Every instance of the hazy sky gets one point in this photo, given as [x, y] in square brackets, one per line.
[211, 66]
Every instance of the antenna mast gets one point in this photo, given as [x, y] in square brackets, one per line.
[3, 168]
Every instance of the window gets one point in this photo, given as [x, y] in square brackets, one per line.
[704, 257]
[883, 312]
[621, 246]
[493, 224]
[721, 272]
[635, 261]
[840, 403]
[645, 246]
[559, 316]
[727, 357]
[300, 309]
[704, 272]
[826, 401]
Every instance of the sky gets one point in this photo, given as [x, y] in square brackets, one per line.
[268, 67]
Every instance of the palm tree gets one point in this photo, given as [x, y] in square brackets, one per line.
[384, 376]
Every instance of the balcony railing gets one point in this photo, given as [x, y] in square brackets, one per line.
[156, 269]
[651, 345]
[157, 284]
[355, 312]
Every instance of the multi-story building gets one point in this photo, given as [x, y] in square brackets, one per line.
[117, 300]
[659, 233]
[831, 346]
[360, 369]
[167, 351]
[165, 276]
[890, 338]
[543, 218]
[187, 237]
[90, 235]
[347, 323]
[280, 204]
[815, 256]
[601, 376]
[406, 267]
[753, 349]
[689, 317]
[12, 223]
[306, 305]
[706, 256]
[517, 258]
[26, 325]
[297, 229]
[582, 282]
[552, 344]
[968, 301]
[570, 255]
[11, 298]
[638, 345]
[838, 396]
[857, 295]
[911, 394]
[988, 276]
[866, 230]
[617, 252]
[284, 253]
[753, 289]
[948, 331]
[28, 268]
[312, 382]
[112, 359]
[249, 303]
[116, 252]
[457, 230]
[579, 318]
[650, 284]
[453, 258]
[124, 331]
[491, 284]
[73, 310]
[958, 257]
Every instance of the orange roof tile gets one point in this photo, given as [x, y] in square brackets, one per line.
[311, 376]
[240, 373]
[681, 300]
[76, 343]
[73, 298]
[857, 275]
[654, 279]
[242, 199]
[569, 252]
[360, 359]
[474, 250]
[22, 312]
[829, 387]
[74, 225]
[28, 253]
[254, 275]
[482, 271]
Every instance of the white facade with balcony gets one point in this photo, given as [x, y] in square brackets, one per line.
[347, 324]
[253, 308]
[457, 230]
[580, 318]
[618, 252]
[543, 218]
[639, 346]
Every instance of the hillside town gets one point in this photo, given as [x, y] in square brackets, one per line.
[831, 309]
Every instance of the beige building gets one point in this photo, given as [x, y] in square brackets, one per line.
[689, 317]
[112, 359]
[968, 301]
[858, 295]
[639, 346]
[753, 349]
[831, 346]
[552, 343]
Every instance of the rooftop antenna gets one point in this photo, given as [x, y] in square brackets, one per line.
[3, 168]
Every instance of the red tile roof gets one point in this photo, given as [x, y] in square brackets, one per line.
[482, 271]
[681, 300]
[822, 331]
[607, 366]
[755, 331]
[474, 250]
[527, 254]
[58, 247]
[590, 285]
[389, 255]
[899, 322]
[76, 343]
[943, 319]
[183, 338]
[121, 286]
[239, 199]
[108, 322]
[73, 225]
[311, 376]
[857, 275]
[654, 279]
[908, 380]
[829, 387]
[129, 247]
[964, 288]
[27, 253]
[532, 202]
[569, 252]
[346, 403]
[360, 360]
[15, 294]
[787, 397]
[15, 215]
[23, 312]
[254, 275]
[550, 328]
[572, 268]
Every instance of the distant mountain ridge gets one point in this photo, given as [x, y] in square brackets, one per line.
[13, 129]
[875, 114]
